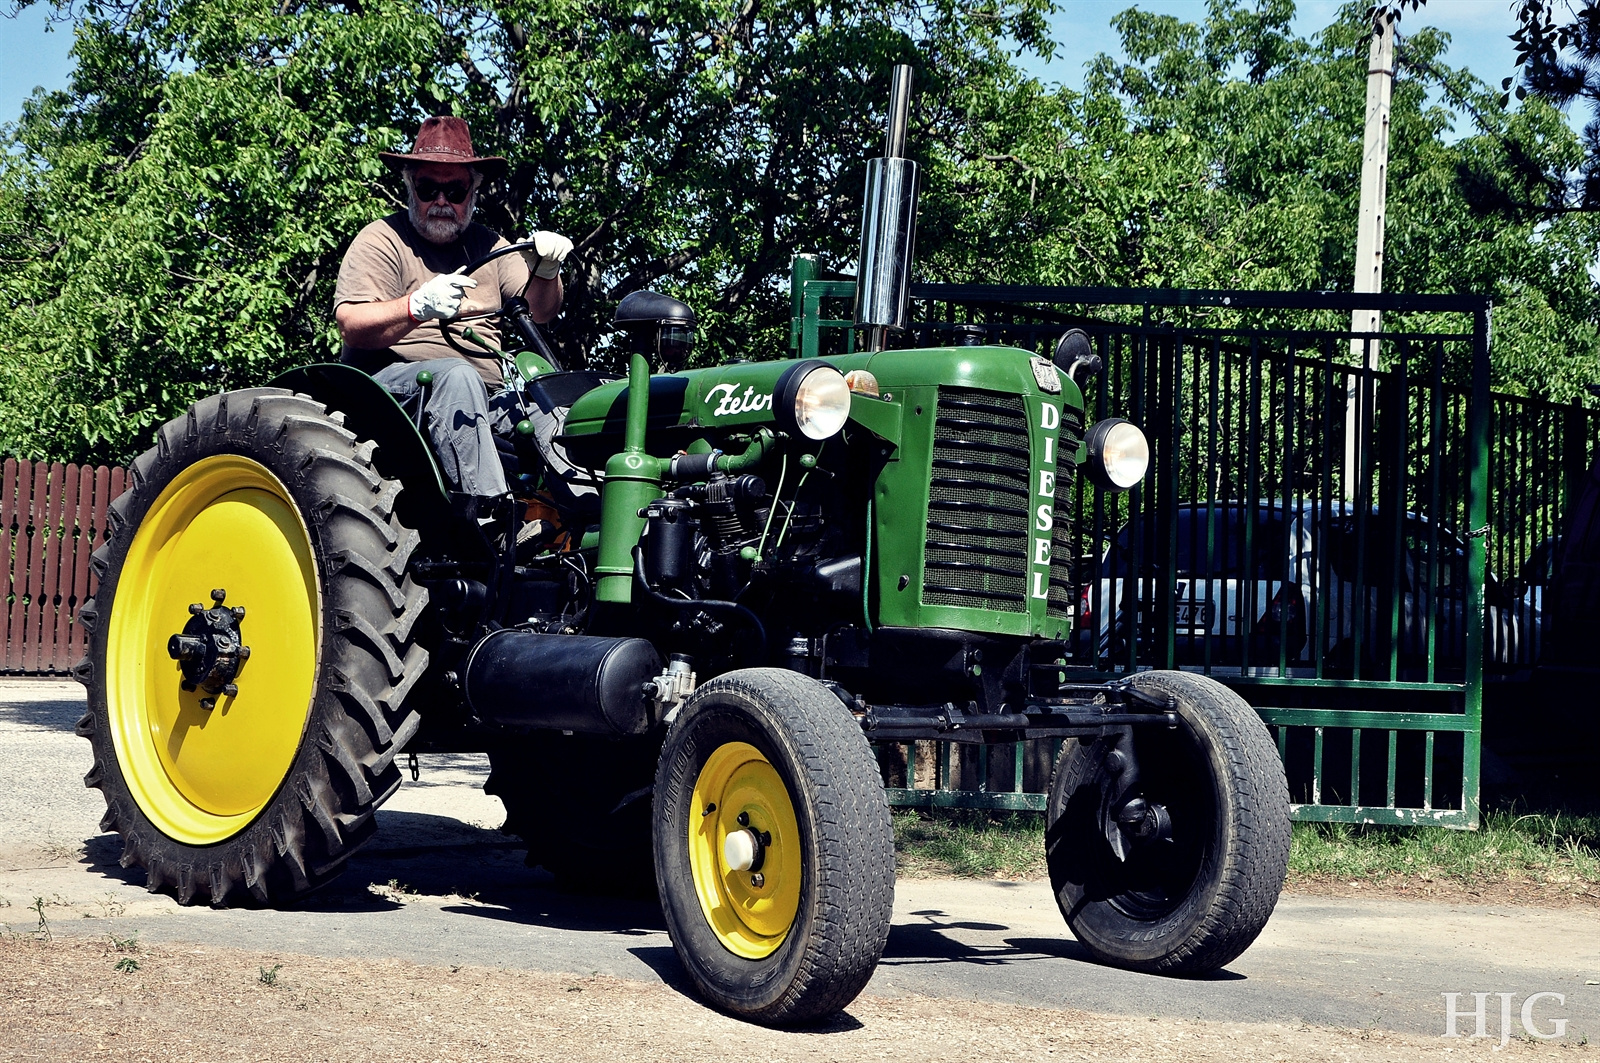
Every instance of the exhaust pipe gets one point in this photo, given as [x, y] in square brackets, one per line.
[888, 226]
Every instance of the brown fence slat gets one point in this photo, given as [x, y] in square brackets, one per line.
[21, 559]
[38, 520]
[61, 573]
[50, 579]
[10, 542]
[83, 546]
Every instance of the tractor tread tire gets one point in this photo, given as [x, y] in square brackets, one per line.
[1248, 872]
[366, 665]
[839, 936]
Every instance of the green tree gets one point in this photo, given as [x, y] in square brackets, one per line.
[172, 222]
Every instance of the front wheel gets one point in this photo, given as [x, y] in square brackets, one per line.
[1196, 883]
[773, 847]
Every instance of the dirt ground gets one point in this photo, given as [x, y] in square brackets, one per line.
[1416, 888]
[68, 1000]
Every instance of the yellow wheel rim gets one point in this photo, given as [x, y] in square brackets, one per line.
[200, 775]
[751, 916]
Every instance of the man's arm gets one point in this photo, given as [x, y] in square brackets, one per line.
[373, 326]
[379, 324]
[544, 295]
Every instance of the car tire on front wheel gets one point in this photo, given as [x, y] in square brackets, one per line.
[1194, 903]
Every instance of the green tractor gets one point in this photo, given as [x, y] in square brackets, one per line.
[728, 581]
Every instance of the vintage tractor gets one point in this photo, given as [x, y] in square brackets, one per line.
[722, 583]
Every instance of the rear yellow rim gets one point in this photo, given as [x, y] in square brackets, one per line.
[750, 911]
[201, 775]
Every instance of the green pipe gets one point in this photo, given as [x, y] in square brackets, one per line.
[758, 449]
[633, 433]
[632, 482]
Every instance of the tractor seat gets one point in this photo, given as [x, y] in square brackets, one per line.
[550, 396]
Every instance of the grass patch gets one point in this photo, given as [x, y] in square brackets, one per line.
[1549, 850]
[965, 843]
[1545, 849]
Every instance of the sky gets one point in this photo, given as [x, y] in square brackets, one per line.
[30, 56]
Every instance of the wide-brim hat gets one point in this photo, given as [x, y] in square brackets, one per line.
[446, 139]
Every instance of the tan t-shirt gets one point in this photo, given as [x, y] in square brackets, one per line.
[389, 259]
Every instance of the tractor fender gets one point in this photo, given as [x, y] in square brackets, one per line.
[402, 453]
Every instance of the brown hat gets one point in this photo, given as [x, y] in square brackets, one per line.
[446, 139]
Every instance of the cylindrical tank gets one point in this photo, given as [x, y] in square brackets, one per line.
[579, 683]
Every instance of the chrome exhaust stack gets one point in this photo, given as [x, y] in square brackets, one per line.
[888, 226]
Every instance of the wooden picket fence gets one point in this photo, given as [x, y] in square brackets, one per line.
[52, 517]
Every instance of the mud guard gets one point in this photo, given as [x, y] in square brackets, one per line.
[402, 453]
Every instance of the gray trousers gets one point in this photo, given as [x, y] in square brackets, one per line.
[461, 418]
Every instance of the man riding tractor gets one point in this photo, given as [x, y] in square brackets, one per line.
[402, 272]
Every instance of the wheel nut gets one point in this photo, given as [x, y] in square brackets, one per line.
[758, 880]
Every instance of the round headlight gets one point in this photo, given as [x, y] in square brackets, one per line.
[1119, 454]
[812, 400]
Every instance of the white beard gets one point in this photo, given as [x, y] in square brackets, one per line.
[437, 224]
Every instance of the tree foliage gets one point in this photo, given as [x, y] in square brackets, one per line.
[171, 223]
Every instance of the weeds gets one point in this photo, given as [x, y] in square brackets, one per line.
[1558, 848]
[43, 930]
[269, 975]
[969, 844]
[127, 965]
[393, 890]
[127, 944]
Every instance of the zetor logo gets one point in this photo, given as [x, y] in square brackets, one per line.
[732, 402]
[1044, 515]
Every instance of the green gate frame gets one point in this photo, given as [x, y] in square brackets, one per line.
[1273, 697]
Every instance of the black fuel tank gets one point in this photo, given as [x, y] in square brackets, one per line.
[577, 683]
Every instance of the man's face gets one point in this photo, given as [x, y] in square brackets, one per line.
[442, 199]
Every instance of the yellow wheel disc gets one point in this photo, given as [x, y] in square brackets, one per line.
[750, 911]
[201, 775]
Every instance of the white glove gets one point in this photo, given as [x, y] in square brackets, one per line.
[548, 252]
[441, 297]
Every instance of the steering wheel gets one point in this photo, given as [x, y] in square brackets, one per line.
[514, 312]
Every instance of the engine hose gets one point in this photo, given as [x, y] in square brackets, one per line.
[709, 605]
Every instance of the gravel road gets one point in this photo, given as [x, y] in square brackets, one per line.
[441, 887]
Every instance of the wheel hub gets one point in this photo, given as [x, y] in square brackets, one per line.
[210, 649]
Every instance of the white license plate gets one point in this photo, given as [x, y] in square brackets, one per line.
[1194, 614]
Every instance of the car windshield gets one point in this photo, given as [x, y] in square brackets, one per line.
[1211, 543]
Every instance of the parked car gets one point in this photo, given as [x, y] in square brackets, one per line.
[1244, 592]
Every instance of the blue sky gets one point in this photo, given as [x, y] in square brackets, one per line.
[30, 56]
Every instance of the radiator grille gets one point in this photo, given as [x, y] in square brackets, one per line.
[1062, 549]
[976, 552]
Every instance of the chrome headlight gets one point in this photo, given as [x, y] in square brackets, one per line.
[812, 400]
[1119, 454]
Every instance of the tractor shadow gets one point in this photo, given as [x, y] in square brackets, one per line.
[929, 940]
[57, 707]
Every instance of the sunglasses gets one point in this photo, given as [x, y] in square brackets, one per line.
[455, 191]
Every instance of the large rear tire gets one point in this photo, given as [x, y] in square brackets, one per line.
[257, 791]
[1194, 903]
[773, 760]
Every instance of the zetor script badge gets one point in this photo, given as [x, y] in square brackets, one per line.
[732, 402]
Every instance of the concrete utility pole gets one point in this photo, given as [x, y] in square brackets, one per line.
[1369, 235]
